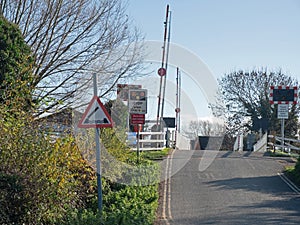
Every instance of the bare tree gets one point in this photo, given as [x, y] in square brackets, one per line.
[246, 99]
[70, 41]
[204, 128]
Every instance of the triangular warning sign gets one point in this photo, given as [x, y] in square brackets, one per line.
[95, 116]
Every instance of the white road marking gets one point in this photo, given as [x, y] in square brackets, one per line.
[289, 183]
[169, 186]
[167, 191]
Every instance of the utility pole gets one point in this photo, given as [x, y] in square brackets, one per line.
[163, 70]
[166, 65]
[178, 96]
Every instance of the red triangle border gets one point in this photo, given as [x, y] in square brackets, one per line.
[109, 125]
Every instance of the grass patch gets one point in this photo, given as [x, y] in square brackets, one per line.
[156, 155]
[279, 153]
[289, 169]
[292, 174]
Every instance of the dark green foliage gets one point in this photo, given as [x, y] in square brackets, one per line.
[131, 205]
[121, 205]
[16, 65]
[12, 199]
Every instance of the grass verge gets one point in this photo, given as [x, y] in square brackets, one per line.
[156, 155]
[292, 172]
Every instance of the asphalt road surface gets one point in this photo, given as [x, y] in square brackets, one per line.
[235, 188]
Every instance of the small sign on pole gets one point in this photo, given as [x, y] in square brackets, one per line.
[162, 72]
[138, 101]
[283, 96]
[136, 119]
[283, 111]
[95, 116]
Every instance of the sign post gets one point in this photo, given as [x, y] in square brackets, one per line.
[98, 154]
[138, 108]
[282, 113]
[138, 101]
[123, 94]
[138, 145]
[96, 117]
[283, 96]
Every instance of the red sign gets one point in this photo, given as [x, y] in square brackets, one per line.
[161, 72]
[137, 119]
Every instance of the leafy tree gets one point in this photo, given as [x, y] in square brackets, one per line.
[245, 96]
[15, 67]
[71, 40]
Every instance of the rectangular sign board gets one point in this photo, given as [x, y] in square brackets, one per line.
[169, 122]
[137, 101]
[123, 90]
[283, 95]
[136, 119]
[283, 111]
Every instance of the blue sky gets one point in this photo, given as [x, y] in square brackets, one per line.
[227, 35]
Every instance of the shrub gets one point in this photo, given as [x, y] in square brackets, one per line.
[40, 180]
[16, 65]
[49, 182]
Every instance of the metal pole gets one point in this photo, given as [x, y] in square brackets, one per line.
[179, 98]
[162, 66]
[138, 144]
[166, 65]
[98, 154]
[177, 105]
[282, 134]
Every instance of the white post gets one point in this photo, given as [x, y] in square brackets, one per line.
[282, 134]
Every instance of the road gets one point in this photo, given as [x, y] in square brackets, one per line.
[236, 188]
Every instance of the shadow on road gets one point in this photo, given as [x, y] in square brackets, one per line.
[237, 188]
[283, 207]
[271, 185]
[260, 218]
[282, 199]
